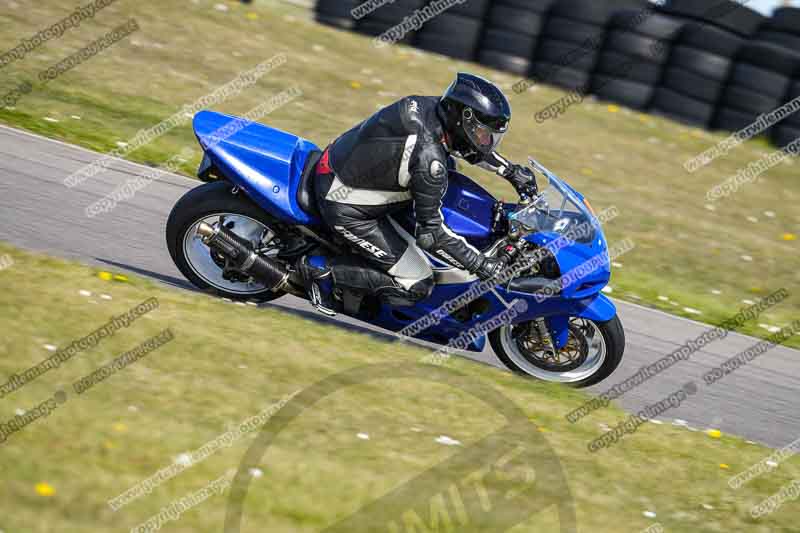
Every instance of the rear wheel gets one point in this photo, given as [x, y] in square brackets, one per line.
[216, 204]
[592, 352]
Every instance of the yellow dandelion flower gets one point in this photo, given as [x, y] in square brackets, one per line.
[105, 276]
[355, 85]
[119, 427]
[789, 237]
[252, 16]
[612, 108]
[724, 466]
[44, 489]
[714, 433]
[120, 277]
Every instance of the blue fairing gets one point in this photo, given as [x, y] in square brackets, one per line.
[599, 309]
[265, 162]
[587, 264]
[468, 208]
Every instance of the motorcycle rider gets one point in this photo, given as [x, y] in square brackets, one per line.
[398, 156]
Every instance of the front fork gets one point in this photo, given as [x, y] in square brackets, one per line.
[558, 329]
[553, 328]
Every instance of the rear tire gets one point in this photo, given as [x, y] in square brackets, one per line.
[202, 202]
[613, 344]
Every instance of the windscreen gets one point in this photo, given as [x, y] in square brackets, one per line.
[558, 210]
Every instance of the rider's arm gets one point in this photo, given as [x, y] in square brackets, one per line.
[519, 176]
[494, 162]
[428, 184]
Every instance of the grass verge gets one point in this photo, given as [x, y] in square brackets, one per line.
[229, 362]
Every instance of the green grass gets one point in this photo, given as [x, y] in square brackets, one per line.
[615, 156]
[228, 362]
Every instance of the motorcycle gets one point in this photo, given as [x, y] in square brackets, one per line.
[240, 233]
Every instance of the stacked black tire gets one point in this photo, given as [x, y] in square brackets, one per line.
[729, 15]
[696, 74]
[783, 29]
[631, 62]
[457, 31]
[336, 13]
[571, 39]
[759, 83]
[701, 58]
[511, 33]
[788, 130]
[388, 16]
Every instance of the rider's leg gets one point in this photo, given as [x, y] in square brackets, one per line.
[388, 261]
[388, 265]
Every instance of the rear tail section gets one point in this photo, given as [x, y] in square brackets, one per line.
[266, 163]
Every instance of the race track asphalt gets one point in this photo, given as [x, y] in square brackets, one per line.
[760, 402]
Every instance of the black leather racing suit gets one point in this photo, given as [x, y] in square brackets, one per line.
[394, 157]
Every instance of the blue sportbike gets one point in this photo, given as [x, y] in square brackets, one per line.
[240, 233]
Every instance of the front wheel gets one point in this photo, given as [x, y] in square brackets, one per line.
[592, 352]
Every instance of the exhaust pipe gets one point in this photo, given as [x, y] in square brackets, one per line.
[240, 252]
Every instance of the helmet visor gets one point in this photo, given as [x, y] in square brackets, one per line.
[484, 134]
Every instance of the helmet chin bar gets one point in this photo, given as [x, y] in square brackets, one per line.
[483, 138]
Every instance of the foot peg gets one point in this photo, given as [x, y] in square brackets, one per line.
[318, 302]
[243, 258]
[318, 283]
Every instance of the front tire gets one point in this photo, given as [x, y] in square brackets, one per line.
[212, 203]
[593, 351]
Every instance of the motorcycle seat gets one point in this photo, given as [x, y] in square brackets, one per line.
[305, 189]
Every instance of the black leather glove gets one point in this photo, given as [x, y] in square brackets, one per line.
[522, 179]
[489, 268]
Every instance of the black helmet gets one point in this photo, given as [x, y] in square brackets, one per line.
[475, 114]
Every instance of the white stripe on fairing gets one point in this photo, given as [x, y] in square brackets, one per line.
[502, 300]
[403, 177]
[412, 266]
[363, 196]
